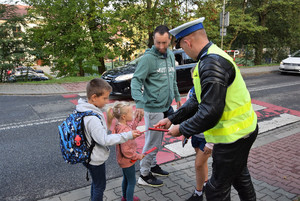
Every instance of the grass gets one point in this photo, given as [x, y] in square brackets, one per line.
[54, 80]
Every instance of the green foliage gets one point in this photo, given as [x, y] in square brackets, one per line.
[75, 36]
[13, 43]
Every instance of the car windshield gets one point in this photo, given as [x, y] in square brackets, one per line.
[296, 54]
[135, 61]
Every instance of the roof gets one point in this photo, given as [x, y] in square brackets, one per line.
[20, 10]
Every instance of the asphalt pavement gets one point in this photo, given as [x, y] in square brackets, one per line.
[274, 159]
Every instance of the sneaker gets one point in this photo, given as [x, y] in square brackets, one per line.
[156, 170]
[135, 198]
[149, 180]
[196, 197]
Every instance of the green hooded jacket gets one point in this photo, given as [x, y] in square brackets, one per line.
[154, 86]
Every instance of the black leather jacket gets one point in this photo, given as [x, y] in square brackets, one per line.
[216, 74]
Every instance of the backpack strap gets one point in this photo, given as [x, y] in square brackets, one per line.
[93, 142]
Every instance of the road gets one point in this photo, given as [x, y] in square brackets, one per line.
[31, 163]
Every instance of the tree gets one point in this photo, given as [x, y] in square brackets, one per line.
[75, 35]
[13, 43]
[141, 18]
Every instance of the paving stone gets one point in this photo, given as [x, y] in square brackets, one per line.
[158, 196]
[164, 190]
[287, 194]
[270, 193]
[267, 198]
[168, 182]
[179, 191]
[110, 194]
[114, 183]
[173, 196]
[283, 198]
[259, 195]
[183, 184]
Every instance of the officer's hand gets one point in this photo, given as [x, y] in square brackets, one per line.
[174, 131]
[164, 123]
[178, 104]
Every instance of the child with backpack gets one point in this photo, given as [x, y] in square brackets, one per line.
[126, 152]
[98, 91]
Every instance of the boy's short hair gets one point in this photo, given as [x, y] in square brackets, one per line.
[97, 86]
[161, 29]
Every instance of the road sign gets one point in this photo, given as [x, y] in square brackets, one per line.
[224, 31]
[226, 19]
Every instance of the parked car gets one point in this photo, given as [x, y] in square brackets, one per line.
[25, 68]
[26, 75]
[120, 78]
[291, 64]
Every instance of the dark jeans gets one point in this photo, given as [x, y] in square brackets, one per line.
[230, 168]
[128, 183]
[98, 181]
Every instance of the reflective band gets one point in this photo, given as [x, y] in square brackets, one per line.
[236, 112]
[233, 128]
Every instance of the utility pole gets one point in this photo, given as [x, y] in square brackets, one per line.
[223, 21]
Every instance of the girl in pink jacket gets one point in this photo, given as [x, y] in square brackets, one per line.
[126, 152]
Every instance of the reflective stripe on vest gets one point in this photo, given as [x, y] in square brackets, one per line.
[238, 118]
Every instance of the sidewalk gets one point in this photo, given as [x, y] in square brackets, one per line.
[79, 87]
[274, 170]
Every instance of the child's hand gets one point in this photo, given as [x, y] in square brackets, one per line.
[136, 133]
[138, 118]
[207, 150]
[143, 156]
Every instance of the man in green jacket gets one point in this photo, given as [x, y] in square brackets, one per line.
[153, 87]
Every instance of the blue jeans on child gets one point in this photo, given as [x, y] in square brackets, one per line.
[98, 181]
[129, 182]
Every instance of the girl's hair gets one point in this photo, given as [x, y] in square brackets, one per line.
[119, 109]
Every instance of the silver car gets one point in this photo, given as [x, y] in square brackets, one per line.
[291, 64]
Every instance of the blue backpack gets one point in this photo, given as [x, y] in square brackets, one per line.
[73, 143]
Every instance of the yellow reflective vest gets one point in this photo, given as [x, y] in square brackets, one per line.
[238, 118]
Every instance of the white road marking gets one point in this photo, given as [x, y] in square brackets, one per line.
[273, 86]
[32, 123]
[276, 122]
[177, 148]
[82, 94]
[257, 107]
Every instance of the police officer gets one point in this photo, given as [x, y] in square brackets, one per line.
[220, 108]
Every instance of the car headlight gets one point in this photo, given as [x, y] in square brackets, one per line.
[124, 77]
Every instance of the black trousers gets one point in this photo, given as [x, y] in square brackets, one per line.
[230, 168]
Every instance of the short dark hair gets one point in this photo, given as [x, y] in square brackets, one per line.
[97, 86]
[161, 29]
